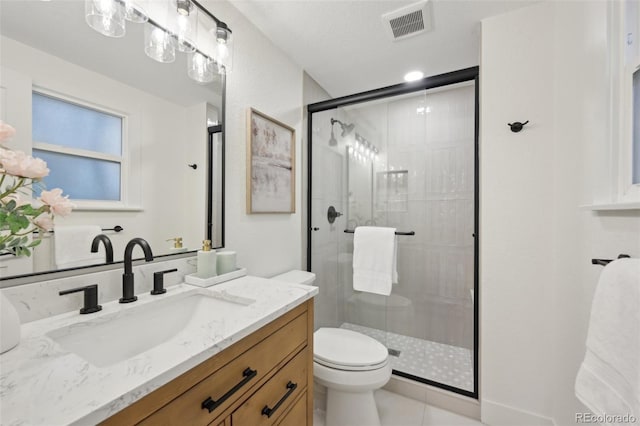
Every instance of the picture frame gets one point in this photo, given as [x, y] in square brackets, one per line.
[271, 165]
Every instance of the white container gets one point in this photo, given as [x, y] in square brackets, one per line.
[9, 325]
[206, 265]
[196, 280]
[226, 261]
[177, 246]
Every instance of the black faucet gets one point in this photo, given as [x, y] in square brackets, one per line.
[108, 247]
[90, 298]
[127, 278]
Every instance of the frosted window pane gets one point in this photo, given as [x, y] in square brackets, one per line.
[636, 126]
[81, 178]
[62, 123]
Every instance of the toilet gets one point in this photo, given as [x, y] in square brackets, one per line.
[350, 365]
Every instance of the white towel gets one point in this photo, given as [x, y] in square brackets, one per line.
[608, 381]
[374, 259]
[73, 246]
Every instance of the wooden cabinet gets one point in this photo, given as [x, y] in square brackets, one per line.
[264, 379]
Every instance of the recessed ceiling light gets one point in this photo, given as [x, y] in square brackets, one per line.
[413, 75]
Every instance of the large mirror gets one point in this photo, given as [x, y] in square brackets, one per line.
[163, 180]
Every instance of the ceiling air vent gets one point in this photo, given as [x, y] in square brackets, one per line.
[408, 21]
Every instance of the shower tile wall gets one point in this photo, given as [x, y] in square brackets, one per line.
[432, 137]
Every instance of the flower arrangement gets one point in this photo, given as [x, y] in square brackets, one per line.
[20, 215]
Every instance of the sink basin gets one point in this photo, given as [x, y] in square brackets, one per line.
[113, 338]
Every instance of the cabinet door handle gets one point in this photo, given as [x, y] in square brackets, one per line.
[266, 411]
[211, 405]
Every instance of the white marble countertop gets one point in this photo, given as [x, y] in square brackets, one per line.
[42, 384]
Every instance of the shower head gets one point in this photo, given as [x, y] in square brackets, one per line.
[346, 128]
[332, 140]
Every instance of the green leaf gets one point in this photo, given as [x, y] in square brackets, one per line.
[23, 251]
[17, 223]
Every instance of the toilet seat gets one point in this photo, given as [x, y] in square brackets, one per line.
[348, 350]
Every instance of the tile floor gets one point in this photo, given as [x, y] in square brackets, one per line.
[439, 362]
[397, 410]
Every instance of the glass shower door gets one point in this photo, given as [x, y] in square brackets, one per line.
[409, 162]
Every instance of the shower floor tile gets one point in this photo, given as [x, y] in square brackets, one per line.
[439, 362]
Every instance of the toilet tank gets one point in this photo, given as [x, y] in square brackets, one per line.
[297, 276]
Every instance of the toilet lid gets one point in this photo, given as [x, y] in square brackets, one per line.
[348, 350]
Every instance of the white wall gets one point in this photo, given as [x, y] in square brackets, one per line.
[547, 64]
[264, 78]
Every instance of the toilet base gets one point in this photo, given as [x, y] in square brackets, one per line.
[351, 409]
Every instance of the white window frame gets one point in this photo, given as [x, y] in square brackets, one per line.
[628, 191]
[124, 159]
[624, 193]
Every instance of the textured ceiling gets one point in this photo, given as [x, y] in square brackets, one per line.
[343, 45]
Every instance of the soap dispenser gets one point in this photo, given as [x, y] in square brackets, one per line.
[177, 245]
[206, 261]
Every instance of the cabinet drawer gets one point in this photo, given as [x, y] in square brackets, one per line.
[208, 399]
[274, 397]
[297, 416]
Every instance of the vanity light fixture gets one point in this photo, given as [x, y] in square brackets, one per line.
[182, 22]
[363, 150]
[200, 68]
[170, 25]
[134, 11]
[159, 45]
[224, 45]
[184, 7]
[105, 16]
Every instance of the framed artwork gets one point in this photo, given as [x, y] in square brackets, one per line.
[271, 168]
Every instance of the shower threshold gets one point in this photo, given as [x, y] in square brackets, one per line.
[438, 362]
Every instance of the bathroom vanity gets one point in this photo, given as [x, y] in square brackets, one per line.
[237, 353]
[241, 382]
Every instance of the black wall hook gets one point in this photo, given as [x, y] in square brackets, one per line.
[193, 166]
[517, 126]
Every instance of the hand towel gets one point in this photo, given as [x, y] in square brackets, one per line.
[608, 381]
[73, 246]
[374, 259]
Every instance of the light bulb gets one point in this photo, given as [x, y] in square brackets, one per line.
[106, 17]
[158, 44]
[200, 68]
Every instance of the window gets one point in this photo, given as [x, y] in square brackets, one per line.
[617, 170]
[83, 147]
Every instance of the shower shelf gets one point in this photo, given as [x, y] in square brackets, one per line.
[351, 231]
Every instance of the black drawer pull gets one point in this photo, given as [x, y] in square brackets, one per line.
[211, 405]
[266, 411]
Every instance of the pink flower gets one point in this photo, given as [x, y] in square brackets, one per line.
[44, 221]
[14, 197]
[57, 203]
[6, 131]
[17, 163]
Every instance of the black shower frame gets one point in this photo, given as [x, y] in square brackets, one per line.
[460, 76]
